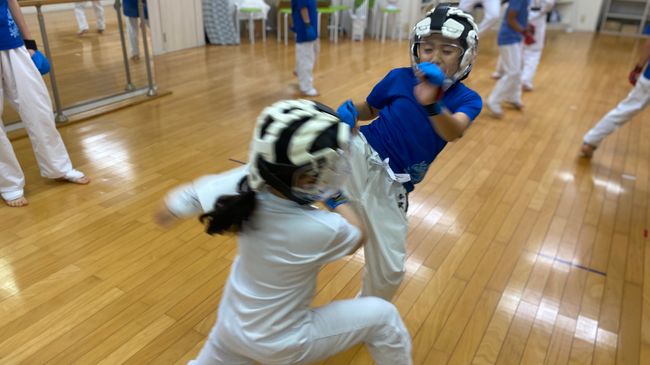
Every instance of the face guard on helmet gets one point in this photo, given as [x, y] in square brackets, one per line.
[453, 24]
[299, 149]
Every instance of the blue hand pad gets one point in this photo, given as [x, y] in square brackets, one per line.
[41, 62]
[348, 113]
[433, 73]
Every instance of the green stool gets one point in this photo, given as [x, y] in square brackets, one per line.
[251, 24]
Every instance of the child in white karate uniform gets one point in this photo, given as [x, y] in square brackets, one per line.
[491, 10]
[297, 157]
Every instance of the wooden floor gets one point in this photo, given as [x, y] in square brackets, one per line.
[519, 251]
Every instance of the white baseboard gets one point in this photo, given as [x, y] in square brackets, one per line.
[60, 7]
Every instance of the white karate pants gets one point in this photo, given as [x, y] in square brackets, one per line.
[491, 11]
[508, 87]
[306, 53]
[80, 14]
[24, 88]
[332, 328]
[635, 102]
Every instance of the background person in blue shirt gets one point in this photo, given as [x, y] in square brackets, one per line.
[130, 10]
[532, 53]
[416, 111]
[305, 25]
[510, 40]
[635, 102]
[24, 88]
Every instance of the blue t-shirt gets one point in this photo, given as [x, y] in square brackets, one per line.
[507, 35]
[298, 24]
[10, 37]
[130, 8]
[403, 132]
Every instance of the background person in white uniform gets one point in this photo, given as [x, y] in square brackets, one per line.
[80, 14]
[539, 10]
[23, 86]
[532, 52]
[305, 25]
[264, 316]
[514, 32]
[635, 102]
[491, 10]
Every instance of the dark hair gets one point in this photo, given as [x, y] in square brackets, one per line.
[230, 211]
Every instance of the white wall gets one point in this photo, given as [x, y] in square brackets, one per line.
[586, 14]
[175, 24]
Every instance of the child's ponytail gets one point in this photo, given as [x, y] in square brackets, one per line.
[230, 211]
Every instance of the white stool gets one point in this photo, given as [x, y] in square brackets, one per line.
[285, 12]
[394, 12]
[333, 13]
[251, 22]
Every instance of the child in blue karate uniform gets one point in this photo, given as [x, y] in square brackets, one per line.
[416, 111]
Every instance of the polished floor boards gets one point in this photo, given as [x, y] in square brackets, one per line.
[518, 251]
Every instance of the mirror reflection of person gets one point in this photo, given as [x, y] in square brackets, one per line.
[130, 10]
[80, 14]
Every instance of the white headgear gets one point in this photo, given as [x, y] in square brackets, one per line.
[452, 23]
[293, 138]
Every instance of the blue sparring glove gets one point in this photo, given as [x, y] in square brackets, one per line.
[335, 200]
[433, 73]
[310, 33]
[348, 113]
[41, 62]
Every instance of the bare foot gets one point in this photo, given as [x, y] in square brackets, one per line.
[82, 32]
[135, 57]
[75, 177]
[20, 202]
[587, 150]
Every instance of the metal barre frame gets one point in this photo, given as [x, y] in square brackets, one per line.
[129, 88]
